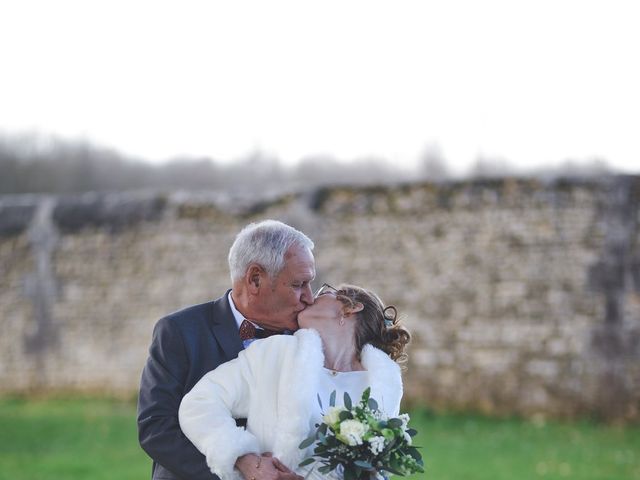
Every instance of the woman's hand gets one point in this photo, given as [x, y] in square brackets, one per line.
[264, 467]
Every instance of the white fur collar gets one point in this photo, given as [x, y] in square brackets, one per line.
[384, 378]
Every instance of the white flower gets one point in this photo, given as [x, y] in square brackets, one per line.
[405, 420]
[380, 415]
[376, 445]
[352, 432]
[332, 416]
[407, 438]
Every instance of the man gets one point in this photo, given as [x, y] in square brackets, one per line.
[271, 267]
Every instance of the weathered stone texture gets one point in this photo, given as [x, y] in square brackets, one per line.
[522, 297]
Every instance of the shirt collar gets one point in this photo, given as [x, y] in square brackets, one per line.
[237, 315]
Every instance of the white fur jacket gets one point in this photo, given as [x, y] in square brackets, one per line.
[273, 383]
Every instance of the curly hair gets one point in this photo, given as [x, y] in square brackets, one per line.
[378, 325]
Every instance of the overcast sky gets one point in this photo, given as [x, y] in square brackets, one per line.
[534, 82]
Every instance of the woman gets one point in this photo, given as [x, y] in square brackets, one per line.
[348, 341]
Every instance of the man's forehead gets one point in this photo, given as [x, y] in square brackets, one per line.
[299, 256]
[298, 251]
[302, 271]
[299, 262]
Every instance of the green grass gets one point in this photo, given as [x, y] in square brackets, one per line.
[70, 439]
[459, 447]
[96, 439]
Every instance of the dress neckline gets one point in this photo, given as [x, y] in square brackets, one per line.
[335, 373]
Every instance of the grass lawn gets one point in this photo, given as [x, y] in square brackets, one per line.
[70, 439]
[96, 439]
[478, 448]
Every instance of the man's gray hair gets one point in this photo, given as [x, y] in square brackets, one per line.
[264, 243]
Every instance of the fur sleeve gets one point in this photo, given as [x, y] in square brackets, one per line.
[207, 415]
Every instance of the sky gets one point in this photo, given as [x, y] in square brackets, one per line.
[534, 83]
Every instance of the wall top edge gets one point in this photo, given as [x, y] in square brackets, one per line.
[121, 210]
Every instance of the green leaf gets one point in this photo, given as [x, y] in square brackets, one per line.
[363, 464]
[366, 394]
[306, 461]
[391, 444]
[320, 402]
[388, 434]
[345, 415]
[414, 453]
[412, 432]
[347, 402]
[307, 442]
[394, 423]
[373, 405]
[323, 429]
[391, 470]
[332, 399]
[332, 441]
[349, 473]
[324, 469]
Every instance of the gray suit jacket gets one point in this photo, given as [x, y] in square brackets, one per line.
[185, 345]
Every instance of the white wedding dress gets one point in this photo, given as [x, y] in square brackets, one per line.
[353, 383]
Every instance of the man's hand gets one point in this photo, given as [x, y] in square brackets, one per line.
[264, 467]
[285, 472]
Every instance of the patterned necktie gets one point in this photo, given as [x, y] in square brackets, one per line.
[248, 331]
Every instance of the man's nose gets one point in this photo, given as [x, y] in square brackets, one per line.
[307, 296]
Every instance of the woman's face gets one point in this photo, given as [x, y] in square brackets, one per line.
[325, 309]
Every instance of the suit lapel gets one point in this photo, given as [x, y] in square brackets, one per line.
[224, 328]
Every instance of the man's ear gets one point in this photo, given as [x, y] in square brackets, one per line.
[357, 307]
[254, 278]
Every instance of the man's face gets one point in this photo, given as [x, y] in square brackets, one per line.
[290, 292]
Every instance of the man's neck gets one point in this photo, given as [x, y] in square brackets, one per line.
[242, 306]
[237, 299]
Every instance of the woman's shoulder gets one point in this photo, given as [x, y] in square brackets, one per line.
[375, 359]
[385, 378]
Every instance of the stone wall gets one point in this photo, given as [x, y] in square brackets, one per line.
[522, 297]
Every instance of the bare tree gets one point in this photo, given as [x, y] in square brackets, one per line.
[491, 167]
[34, 163]
[432, 165]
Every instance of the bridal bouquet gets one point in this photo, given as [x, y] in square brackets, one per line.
[362, 441]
